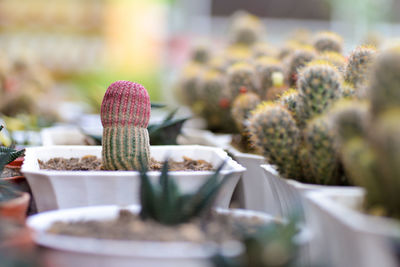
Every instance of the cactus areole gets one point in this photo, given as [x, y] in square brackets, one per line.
[125, 114]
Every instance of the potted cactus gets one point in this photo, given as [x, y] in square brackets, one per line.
[125, 115]
[368, 135]
[171, 228]
[296, 132]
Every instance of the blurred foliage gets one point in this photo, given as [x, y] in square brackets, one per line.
[91, 87]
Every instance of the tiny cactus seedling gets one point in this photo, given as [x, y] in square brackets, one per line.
[297, 61]
[125, 114]
[241, 108]
[319, 86]
[328, 41]
[359, 65]
[265, 67]
[164, 203]
[385, 84]
[242, 77]
[274, 131]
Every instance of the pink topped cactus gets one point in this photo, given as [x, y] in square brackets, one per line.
[125, 114]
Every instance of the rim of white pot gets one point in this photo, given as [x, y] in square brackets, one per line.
[30, 166]
[141, 249]
[236, 153]
[356, 220]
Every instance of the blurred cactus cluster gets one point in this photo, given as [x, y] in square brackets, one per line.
[284, 100]
[24, 90]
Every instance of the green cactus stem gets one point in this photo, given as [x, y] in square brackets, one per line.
[357, 70]
[242, 78]
[299, 58]
[328, 41]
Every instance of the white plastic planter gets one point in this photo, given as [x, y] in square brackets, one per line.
[348, 236]
[257, 191]
[69, 251]
[69, 189]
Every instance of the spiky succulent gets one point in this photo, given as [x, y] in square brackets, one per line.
[125, 114]
[370, 141]
[319, 86]
[328, 41]
[237, 53]
[266, 67]
[357, 71]
[298, 59]
[336, 59]
[217, 101]
[189, 84]
[289, 99]
[321, 152]
[242, 77]
[8, 154]
[274, 130]
[164, 203]
[384, 91]
[241, 108]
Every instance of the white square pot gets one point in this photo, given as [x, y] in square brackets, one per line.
[348, 236]
[193, 136]
[257, 191]
[67, 189]
[69, 251]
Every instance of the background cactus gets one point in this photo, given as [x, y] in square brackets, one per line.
[359, 65]
[125, 114]
[216, 102]
[370, 141]
[289, 99]
[328, 41]
[201, 54]
[241, 108]
[321, 152]
[319, 86]
[263, 49]
[189, 84]
[242, 77]
[278, 86]
[297, 61]
[246, 29]
[274, 130]
[265, 67]
[336, 59]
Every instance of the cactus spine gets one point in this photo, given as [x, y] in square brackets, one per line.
[297, 61]
[125, 113]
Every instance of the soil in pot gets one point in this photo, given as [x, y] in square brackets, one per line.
[10, 172]
[128, 226]
[92, 163]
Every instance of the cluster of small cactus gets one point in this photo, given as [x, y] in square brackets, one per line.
[295, 132]
[369, 137]
[125, 114]
[298, 59]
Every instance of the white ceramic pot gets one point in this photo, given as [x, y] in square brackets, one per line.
[82, 251]
[69, 189]
[348, 236]
[257, 191]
